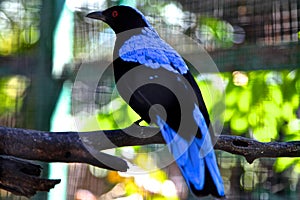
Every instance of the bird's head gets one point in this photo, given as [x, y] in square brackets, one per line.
[121, 18]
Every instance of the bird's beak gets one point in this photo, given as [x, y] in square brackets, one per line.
[96, 15]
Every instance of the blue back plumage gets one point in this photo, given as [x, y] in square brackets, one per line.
[150, 50]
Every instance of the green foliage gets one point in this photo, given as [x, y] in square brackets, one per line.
[282, 164]
[19, 25]
[215, 30]
[263, 104]
[265, 107]
[12, 90]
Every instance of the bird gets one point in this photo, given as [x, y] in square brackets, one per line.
[156, 82]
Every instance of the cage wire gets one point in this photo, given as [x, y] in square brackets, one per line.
[19, 32]
[218, 25]
[243, 23]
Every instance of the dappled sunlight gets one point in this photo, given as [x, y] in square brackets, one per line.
[254, 46]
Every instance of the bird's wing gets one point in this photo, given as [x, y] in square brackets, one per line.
[150, 50]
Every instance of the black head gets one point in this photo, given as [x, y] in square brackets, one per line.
[121, 18]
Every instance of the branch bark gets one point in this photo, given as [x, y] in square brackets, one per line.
[85, 148]
[22, 177]
[252, 149]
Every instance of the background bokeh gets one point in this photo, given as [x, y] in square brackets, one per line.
[253, 43]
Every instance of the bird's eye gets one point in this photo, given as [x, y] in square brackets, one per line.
[114, 14]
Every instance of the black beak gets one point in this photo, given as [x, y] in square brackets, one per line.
[96, 15]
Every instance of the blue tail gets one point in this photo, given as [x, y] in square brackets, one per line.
[196, 158]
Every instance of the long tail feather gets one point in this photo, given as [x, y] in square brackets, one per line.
[196, 158]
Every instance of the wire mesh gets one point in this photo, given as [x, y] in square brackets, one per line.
[251, 23]
[246, 23]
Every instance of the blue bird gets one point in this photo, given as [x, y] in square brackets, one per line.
[157, 84]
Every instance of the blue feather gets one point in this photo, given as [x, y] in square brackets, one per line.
[150, 50]
[192, 156]
[207, 151]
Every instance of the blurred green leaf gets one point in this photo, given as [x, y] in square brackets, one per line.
[276, 94]
[217, 30]
[12, 92]
[265, 133]
[293, 127]
[295, 101]
[19, 25]
[287, 111]
[239, 123]
[282, 164]
[253, 118]
[244, 101]
[297, 167]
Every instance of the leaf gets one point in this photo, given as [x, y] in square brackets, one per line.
[297, 167]
[265, 133]
[239, 123]
[282, 164]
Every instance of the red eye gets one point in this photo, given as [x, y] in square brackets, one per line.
[114, 14]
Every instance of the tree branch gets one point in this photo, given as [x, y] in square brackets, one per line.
[84, 148]
[252, 149]
[22, 177]
[69, 146]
